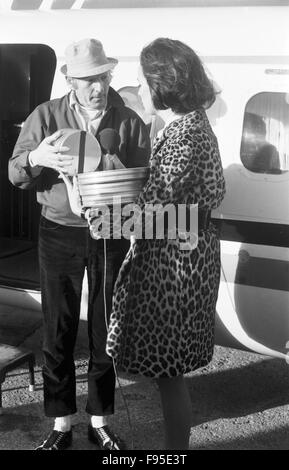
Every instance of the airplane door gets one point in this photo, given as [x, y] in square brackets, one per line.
[26, 76]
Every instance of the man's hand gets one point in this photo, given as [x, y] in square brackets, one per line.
[50, 156]
[111, 162]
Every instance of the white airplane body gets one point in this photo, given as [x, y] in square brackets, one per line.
[246, 52]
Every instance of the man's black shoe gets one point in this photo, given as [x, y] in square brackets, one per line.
[104, 438]
[57, 440]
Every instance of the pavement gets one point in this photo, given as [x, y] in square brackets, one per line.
[240, 400]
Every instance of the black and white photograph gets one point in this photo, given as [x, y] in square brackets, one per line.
[144, 227]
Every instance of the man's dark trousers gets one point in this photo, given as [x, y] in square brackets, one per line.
[64, 252]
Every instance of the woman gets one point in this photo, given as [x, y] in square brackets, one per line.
[162, 318]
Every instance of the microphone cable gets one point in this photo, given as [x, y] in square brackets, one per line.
[113, 362]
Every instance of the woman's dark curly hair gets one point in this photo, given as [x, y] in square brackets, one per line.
[176, 76]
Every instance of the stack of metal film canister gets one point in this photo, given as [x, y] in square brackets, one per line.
[106, 187]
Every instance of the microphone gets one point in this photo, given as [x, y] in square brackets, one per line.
[109, 140]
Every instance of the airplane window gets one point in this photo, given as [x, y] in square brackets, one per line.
[265, 137]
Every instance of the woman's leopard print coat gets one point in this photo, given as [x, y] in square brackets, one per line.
[162, 318]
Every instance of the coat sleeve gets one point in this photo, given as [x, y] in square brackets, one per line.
[138, 146]
[20, 173]
[180, 174]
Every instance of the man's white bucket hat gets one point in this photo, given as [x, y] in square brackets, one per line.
[86, 58]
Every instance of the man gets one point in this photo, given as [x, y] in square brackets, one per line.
[65, 246]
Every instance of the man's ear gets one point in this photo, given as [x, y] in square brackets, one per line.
[70, 82]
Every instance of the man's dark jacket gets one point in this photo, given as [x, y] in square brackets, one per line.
[47, 118]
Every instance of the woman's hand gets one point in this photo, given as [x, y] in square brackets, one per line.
[73, 193]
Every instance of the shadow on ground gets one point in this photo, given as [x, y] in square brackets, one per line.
[240, 401]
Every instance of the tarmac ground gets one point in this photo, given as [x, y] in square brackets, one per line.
[240, 400]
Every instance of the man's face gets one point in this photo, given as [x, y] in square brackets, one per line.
[91, 92]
